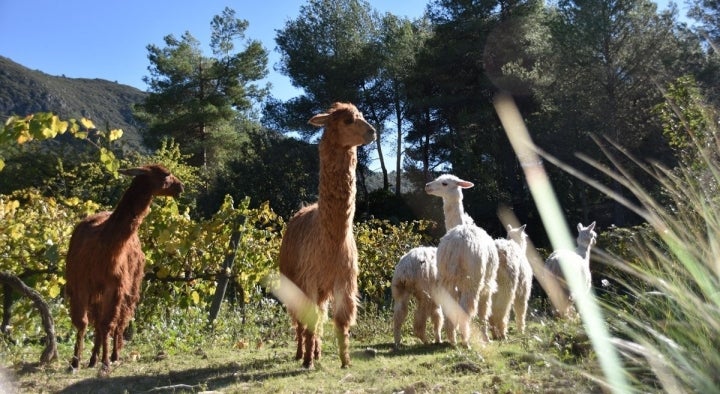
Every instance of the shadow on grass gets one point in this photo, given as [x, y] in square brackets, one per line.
[187, 380]
[388, 349]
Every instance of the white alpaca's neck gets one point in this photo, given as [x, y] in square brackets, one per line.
[453, 211]
[583, 251]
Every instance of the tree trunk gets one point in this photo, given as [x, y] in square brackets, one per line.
[50, 352]
[224, 275]
[398, 155]
[383, 168]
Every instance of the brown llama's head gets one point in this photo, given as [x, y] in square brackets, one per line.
[344, 125]
[156, 179]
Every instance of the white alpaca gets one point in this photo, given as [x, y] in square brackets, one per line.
[467, 262]
[514, 282]
[416, 272]
[577, 261]
[416, 275]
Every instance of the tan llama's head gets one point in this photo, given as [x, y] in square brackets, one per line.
[344, 126]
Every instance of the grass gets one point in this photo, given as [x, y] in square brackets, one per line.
[551, 356]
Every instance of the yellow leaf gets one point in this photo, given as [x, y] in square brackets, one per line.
[87, 123]
[115, 134]
[54, 290]
[195, 297]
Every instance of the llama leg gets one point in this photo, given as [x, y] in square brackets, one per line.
[400, 310]
[300, 339]
[344, 312]
[79, 339]
[309, 336]
[95, 350]
[79, 319]
[320, 330]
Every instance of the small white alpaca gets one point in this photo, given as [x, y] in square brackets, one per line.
[578, 261]
[416, 275]
[467, 262]
[416, 272]
[514, 282]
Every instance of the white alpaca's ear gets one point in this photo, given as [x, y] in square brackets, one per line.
[465, 184]
[509, 227]
[591, 226]
[522, 228]
[319, 120]
[580, 227]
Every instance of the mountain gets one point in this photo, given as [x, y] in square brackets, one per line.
[107, 104]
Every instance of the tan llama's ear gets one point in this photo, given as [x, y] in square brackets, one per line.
[319, 120]
[132, 171]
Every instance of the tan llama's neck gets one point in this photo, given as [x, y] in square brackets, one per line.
[336, 200]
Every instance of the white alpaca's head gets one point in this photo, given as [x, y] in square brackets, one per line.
[449, 188]
[587, 237]
[518, 235]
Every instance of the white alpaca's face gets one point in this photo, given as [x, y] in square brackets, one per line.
[447, 185]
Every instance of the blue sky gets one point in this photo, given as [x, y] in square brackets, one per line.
[107, 39]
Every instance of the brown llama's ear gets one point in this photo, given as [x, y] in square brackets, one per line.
[132, 171]
[319, 120]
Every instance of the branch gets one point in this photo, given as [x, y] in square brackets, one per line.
[50, 352]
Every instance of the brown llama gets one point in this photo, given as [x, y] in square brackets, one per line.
[318, 252]
[105, 263]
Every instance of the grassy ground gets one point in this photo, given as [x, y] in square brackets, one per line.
[550, 357]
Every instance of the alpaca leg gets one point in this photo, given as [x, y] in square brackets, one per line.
[500, 307]
[520, 309]
[400, 310]
[484, 305]
[468, 303]
[420, 321]
[436, 316]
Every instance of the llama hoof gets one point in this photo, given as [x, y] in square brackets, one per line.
[308, 365]
[345, 366]
[104, 371]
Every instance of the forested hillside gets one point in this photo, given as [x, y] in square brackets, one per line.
[108, 104]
